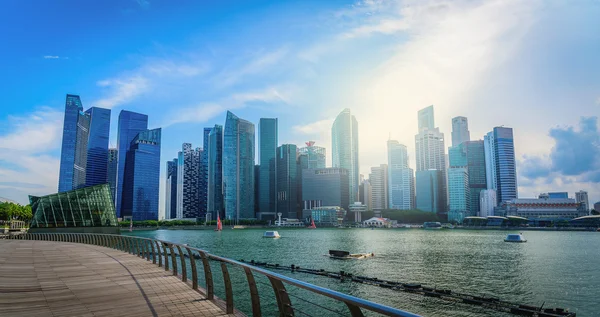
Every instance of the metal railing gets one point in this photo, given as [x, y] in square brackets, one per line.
[165, 254]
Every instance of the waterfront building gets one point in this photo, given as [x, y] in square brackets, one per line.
[487, 202]
[112, 168]
[379, 222]
[238, 168]
[129, 126]
[315, 155]
[379, 187]
[367, 193]
[476, 169]
[460, 130]
[326, 215]
[88, 209]
[171, 190]
[141, 177]
[430, 190]
[357, 208]
[597, 206]
[344, 142]
[96, 168]
[188, 182]
[288, 202]
[430, 154]
[325, 187]
[267, 183]
[542, 209]
[401, 182]
[501, 170]
[582, 198]
[73, 109]
[459, 195]
[215, 172]
[203, 191]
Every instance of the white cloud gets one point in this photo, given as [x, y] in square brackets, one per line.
[317, 127]
[51, 57]
[261, 63]
[122, 91]
[143, 3]
[35, 133]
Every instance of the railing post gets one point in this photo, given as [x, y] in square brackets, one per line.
[283, 300]
[228, 290]
[253, 293]
[194, 271]
[183, 266]
[354, 310]
[164, 245]
[153, 251]
[159, 253]
[145, 249]
[210, 290]
[138, 250]
[173, 258]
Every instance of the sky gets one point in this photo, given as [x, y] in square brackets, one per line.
[530, 65]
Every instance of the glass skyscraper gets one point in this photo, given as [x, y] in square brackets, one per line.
[97, 147]
[344, 142]
[460, 130]
[501, 170]
[459, 194]
[130, 125]
[67, 156]
[477, 174]
[323, 187]
[267, 183]
[429, 185]
[141, 176]
[188, 182]
[401, 183]
[238, 168]
[171, 190]
[315, 155]
[379, 187]
[81, 147]
[203, 193]
[287, 181]
[111, 174]
[215, 172]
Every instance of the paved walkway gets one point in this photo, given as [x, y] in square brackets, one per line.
[42, 278]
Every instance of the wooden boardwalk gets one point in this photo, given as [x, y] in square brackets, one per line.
[42, 278]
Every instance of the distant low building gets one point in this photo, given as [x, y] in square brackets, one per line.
[379, 222]
[326, 215]
[357, 208]
[541, 208]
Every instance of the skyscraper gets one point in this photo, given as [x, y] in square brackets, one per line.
[67, 155]
[141, 176]
[129, 126]
[111, 174]
[401, 183]
[267, 189]
[582, 198]
[288, 202]
[501, 170]
[188, 182]
[379, 187]
[315, 155]
[97, 147]
[171, 190]
[460, 130]
[477, 173]
[215, 172]
[203, 191]
[325, 187]
[238, 168]
[487, 202]
[368, 194]
[429, 144]
[458, 183]
[81, 147]
[344, 142]
[429, 185]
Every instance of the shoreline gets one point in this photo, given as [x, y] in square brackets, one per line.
[202, 227]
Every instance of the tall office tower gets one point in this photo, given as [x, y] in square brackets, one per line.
[188, 182]
[429, 144]
[130, 125]
[379, 187]
[256, 188]
[287, 181]
[325, 187]
[477, 173]
[238, 168]
[267, 183]
[429, 190]
[582, 198]
[97, 146]
[73, 108]
[458, 184]
[141, 176]
[203, 192]
[171, 190]
[487, 202]
[111, 174]
[368, 194]
[501, 173]
[401, 183]
[315, 155]
[460, 130]
[81, 146]
[215, 172]
[344, 142]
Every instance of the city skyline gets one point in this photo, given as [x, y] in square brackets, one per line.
[162, 82]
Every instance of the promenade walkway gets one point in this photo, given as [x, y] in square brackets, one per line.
[42, 278]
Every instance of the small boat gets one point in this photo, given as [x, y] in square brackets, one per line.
[432, 226]
[271, 234]
[238, 227]
[219, 224]
[515, 238]
[345, 255]
[312, 224]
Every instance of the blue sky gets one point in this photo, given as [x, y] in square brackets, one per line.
[530, 65]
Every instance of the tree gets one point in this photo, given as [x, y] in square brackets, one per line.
[595, 212]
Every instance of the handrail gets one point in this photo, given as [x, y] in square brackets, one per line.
[145, 248]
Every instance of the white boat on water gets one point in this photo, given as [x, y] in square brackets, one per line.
[271, 234]
[515, 238]
[432, 226]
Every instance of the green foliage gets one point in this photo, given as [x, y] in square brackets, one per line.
[10, 211]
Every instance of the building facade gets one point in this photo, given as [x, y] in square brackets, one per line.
[548, 209]
[500, 163]
[188, 182]
[129, 126]
[171, 190]
[429, 190]
[288, 202]
[73, 108]
[344, 142]
[487, 203]
[325, 187]
[112, 168]
[477, 173]
[141, 176]
[215, 172]
[97, 146]
[459, 194]
[238, 168]
[315, 155]
[379, 187]
[267, 183]
[582, 198]
[401, 181]
[460, 130]
[203, 192]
